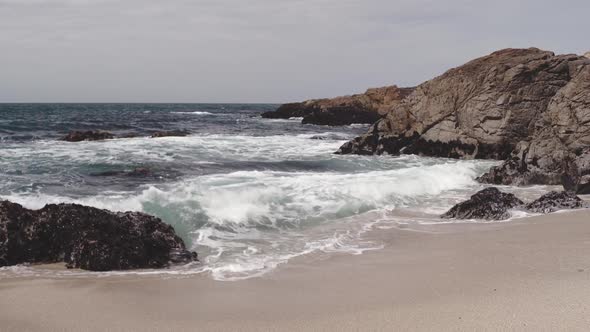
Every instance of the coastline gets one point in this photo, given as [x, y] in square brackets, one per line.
[526, 274]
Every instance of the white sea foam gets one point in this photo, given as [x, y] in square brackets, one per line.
[358, 125]
[194, 113]
[249, 222]
[187, 149]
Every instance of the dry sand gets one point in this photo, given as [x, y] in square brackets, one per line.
[532, 274]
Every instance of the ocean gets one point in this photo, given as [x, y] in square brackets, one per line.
[246, 193]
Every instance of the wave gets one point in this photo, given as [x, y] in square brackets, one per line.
[188, 150]
[246, 223]
[194, 113]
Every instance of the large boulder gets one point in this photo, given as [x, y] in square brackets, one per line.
[87, 238]
[554, 201]
[488, 204]
[360, 108]
[90, 135]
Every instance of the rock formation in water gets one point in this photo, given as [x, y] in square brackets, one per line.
[170, 133]
[488, 204]
[360, 108]
[87, 238]
[90, 135]
[99, 135]
[526, 106]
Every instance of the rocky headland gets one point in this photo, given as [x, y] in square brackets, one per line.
[87, 238]
[527, 107]
[359, 108]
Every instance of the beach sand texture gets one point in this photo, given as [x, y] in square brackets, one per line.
[531, 274]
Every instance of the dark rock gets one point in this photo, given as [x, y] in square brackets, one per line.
[489, 204]
[287, 111]
[90, 135]
[346, 110]
[584, 187]
[129, 135]
[87, 238]
[170, 133]
[140, 172]
[136, 172]
[554, 201]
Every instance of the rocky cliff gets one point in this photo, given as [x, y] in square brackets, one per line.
[360, 108]
[526, 106]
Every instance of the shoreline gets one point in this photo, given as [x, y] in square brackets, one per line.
[526, 274]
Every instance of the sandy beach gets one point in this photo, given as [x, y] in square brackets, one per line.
[529, 274]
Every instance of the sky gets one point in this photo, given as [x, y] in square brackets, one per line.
[255, 51]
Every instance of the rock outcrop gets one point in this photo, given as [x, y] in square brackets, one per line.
[554, 201]
[492, 204]
[488, 204]
[558, 150]
[90, 135]
[138, 172]
[170, 133]
[87, 238]
[360, 108]
[99, 135]
[526, 106]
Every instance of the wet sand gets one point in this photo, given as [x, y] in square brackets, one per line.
[530, 274]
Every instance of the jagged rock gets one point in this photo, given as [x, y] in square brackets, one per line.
[360, 108]
[479, 110]
[554, 201]
[489, 204]
[87, 238]
[170, 133]
[558, 151]
[526, 106]
[587, 54]
[90, 135]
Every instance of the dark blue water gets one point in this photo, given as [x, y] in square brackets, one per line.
[31, 127]
[21, 122]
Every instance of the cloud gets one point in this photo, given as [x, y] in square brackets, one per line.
[259, 50]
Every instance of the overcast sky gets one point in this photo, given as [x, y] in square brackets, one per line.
[259, 50]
